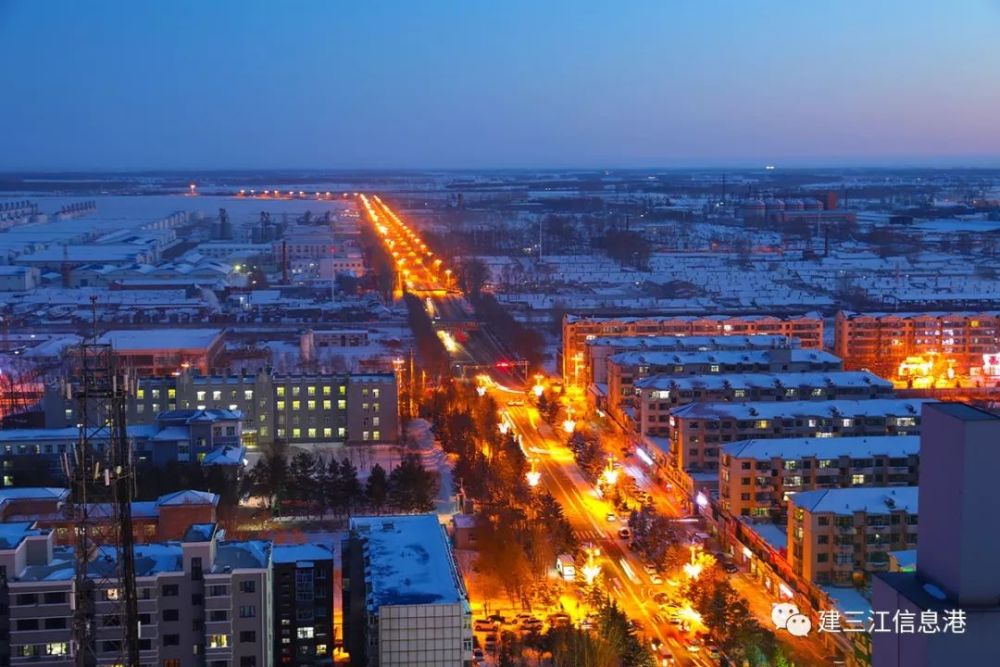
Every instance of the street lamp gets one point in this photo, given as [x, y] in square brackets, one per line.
[504, 427]
[692, 569]
[538, 389]
[533, 476]
[569, 425]
[591, 569]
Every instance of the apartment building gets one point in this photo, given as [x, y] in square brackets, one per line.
[658, 395]
[595, 367]
[834, 533]
[956, 560]
[303, 594]
[211, 437]
[882, 341]
[699, 430]
[404, 599]
[577, 330]
[626, 368]
[203, 602]
[293, 409]
[164, 519]
[756, 477]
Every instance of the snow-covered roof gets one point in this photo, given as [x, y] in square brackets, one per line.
[161, 339]
[873, 407]
[692, 342]
[299, 553]
[409, 560]
[840, 379]
[893, 446]
[846, 502]
[730, 357]
[187, 497]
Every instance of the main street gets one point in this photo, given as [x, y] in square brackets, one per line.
[478, 353]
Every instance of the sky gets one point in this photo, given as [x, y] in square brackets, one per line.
[187, 84]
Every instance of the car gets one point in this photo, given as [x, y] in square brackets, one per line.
[694, 646]
[656, 579]
[484, 625]
[713, 651]
[656, 618]
[611, 517]
[499, 619]
[649, 568]
[477, 655]
[515, 404]
[523, 616]
[560, 620]
[624, 533]
[731, 568]
[490, 643]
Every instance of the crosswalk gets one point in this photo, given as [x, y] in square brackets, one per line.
[589, 535]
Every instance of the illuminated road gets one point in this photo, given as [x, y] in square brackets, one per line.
[587, 516]
[470, 346]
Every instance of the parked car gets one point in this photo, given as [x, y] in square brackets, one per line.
[611, 517]
[477, 655]
[624, 533]
[490, 642]
[484, 625]
[731, 568]
[656, 579]
[560, 620]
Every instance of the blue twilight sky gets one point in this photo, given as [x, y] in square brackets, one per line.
[501, 83]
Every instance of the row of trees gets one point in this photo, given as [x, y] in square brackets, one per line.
[612, 644]
[520, 530]
[311, 485]
[731, 624]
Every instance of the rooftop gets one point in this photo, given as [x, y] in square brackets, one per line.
[840, 379]
[693, 342]
[161, 339]
[299, 553]
[846, 502]
[731, 357]
[693, 318]
[824, 448]
[410, 561]
[872, 407]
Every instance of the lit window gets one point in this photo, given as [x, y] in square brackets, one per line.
[305, 633]
[281, 405]
[341, 404]
[375, 407]
[376, 421]
[327, 405]
[140, 394]
[311, 405]
[364, 435]
[248, 394]
[57, 648]
[200, 396]
[857, 479]
[375, 393]
[327, 432]
[341, 432]
[296, 405]
[376, 435]
[296, 390]
[311, 433]
[281, 391]
[327, 390]
[217, 395]
[296, 433]
[171, 393]
[218, 641]
[342, 389]
[761, 423]
[846, 423]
